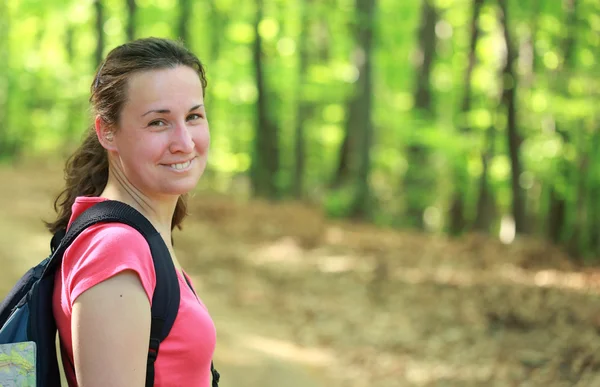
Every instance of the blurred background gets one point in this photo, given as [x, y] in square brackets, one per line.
[399, 193]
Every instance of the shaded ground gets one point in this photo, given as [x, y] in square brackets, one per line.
[301, 301]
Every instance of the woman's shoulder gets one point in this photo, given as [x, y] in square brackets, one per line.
[103, 251]
[108, 247]
[107, 235]
[110, 241]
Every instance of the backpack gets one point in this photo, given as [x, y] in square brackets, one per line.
[27, 325]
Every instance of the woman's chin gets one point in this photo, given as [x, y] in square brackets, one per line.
[182, 188]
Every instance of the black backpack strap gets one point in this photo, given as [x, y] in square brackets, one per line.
[165, 300]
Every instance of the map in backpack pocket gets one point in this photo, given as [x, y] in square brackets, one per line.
[17, 364]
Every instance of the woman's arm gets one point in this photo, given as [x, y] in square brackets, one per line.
[110, 324]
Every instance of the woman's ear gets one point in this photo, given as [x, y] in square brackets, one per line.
[105, 134]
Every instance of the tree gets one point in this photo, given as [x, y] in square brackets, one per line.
[99, 31]
[185, 12]
[265, 156]
[131, 12]
[361, 105]
[557, 213]
[348, 153]
[461, 179]
[509, 99]
[419, 181]
[217, 26]
[304, 107]
[485, 200]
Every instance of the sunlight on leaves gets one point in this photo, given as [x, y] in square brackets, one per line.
[113, 26]
[346, 72]
[539, 101]
[474, 166]
[442, 78]
[456, 17]
[331, 134]
[333, 113]
[240, 32]
[551, 147]
[551, 60]
[286, 46]
[480, 118]
[570, 152]
[268, 28]
[222, 89]
[319, 73]
[550, 23]
[500, 168]
[165, 4]
[403, 101]
[586, 57]
[244, 93]
[488, 22]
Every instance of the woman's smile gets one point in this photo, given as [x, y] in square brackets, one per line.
[182, 166]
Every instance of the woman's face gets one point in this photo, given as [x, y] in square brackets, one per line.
[163, 137]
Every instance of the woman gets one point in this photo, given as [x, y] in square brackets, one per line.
[147, 148]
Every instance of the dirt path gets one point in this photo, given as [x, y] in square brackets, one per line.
[247, 355]
[300, 301]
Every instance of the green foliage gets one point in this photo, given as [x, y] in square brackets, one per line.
[48, 49]
[338, 203]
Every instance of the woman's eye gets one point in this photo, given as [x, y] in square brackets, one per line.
[157, 123]
[193, 117]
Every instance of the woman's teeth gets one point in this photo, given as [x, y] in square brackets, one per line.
[181, 166]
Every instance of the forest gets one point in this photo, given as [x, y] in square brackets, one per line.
[446, 116]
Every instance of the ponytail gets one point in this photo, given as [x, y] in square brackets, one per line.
[86, 174]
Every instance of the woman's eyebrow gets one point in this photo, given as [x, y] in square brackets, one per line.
[167, 111]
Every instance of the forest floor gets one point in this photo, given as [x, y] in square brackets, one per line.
[300, 300]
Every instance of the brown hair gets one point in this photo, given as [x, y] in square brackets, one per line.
[86, 171]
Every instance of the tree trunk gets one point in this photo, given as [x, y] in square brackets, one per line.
[131, 11]
[485, 199]
[347, 164]
[558, 204]
[514, 139]
[185, 12]
[218, 25]
[556, 216]
[72, 103]
[419, 181]
[593, 229]
[303, 106]
[361, 104]
[426, 37]
[345, 161]
[577, 244]
[265, 158]
[461, 179]
[527, 51]
[99, 31]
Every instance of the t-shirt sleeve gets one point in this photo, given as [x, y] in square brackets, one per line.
[102, 251]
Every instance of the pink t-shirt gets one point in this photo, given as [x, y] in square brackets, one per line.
[104, 250]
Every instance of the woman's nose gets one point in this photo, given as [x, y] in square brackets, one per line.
[182, 140]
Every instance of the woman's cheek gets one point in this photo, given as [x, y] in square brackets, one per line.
[203, 140]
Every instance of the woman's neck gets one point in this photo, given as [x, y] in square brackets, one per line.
[158, 212]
